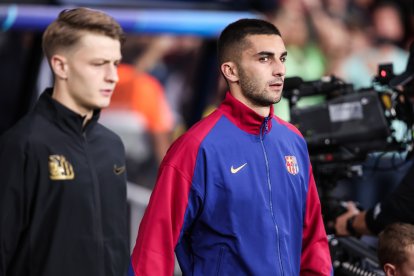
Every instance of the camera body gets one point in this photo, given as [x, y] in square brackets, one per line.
[341, 132]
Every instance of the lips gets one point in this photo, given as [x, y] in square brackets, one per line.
[106, 92]
[276, 84]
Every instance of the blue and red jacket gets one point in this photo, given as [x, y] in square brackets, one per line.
[235, 195]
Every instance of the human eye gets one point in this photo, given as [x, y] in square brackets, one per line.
[283, 59]
[264, 59]
[98, 63]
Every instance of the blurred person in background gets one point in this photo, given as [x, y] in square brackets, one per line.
[345, 32]
[235, 194]
[386, 34]
[306, 59]
[396, 249]
[182, 72]
[329, 19]
[140, 112]
[395, 207]
[63, 207]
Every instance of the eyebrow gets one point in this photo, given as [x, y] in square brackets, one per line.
[105, 60]
[266, 53]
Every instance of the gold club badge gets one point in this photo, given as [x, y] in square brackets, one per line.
[60, 168]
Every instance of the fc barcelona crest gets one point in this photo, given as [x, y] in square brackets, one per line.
[291, 164]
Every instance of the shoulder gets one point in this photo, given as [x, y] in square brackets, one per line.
[288, 125]
[202, 128]
[25, 131]
[189, 143]
[106, 134]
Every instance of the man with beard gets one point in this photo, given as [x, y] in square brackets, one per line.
[235, 195]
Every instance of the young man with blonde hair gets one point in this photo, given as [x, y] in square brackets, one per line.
[63, 208]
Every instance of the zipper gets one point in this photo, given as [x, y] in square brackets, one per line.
[220, 260]
[97, 200]
[264, 129]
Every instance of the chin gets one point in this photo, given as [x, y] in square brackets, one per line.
[277, 100]
[103, 104]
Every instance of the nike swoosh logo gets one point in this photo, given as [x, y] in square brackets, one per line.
[236, 170]
[119, 170]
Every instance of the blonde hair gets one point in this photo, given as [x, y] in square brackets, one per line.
[71, 24]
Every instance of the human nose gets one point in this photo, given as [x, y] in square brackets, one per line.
[111, 73]
[279, 68]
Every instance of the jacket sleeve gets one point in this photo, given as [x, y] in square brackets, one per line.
[315, 259]
[163, 221]
[397, 207]
[13, 201]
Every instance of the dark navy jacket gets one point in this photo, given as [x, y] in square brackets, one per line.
[63, 208]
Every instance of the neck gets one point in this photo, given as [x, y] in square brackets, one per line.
[64, 99]
[87, 118]
[263, 111]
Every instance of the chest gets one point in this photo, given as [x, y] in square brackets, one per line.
[267, 170]
[77, 167]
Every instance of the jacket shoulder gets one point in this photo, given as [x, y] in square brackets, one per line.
[290, 126]
[189, 143]
[107, 133]
[107, 136]
[22, 133]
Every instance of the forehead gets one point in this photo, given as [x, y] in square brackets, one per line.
[98, 46]
[407, 268]
[264, 43]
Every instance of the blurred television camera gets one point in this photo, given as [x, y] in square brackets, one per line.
[349, 123]
[341, 132]
[348, 126]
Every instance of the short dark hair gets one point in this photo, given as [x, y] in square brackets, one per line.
[67, 29]
[232, 38]
[393, 242]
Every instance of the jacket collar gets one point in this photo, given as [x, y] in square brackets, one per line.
[63, 116]
[243, 116]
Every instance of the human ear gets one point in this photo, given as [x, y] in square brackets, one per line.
[229, 70]
[59, 66]
[389, 270]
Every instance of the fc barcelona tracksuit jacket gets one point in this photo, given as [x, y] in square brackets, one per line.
[235, 195]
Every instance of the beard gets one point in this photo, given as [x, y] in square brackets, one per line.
[251, 89]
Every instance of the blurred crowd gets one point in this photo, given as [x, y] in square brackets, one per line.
[177, 76]
[168, 82]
